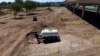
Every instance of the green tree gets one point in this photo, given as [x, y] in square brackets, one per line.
[3, 5]
[9, 5]
[38, 4]
[16, 7]
[29, 5]
[19, 1]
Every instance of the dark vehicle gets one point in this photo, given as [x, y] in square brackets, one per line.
[50, 36]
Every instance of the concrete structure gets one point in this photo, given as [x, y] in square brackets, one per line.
[83, 3]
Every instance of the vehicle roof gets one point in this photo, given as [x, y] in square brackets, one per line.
[49, 31]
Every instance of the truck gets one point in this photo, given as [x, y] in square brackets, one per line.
[50, 35]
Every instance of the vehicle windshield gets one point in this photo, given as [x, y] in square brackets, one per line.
[50, 34]
[51, 37]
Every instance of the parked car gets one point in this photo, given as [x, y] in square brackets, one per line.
[50, 35]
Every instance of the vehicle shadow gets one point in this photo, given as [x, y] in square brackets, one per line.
[42, 40]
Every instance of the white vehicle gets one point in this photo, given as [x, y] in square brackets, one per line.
[49, 35]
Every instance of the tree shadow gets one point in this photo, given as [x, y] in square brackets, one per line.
[18, 18]
[3, 22]
[32, 14]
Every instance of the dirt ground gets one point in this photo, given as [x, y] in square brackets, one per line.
[10, 30]
[77, 36]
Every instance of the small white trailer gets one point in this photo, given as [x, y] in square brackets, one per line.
[50, 35]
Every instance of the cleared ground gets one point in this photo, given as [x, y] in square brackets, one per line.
[78, 38]
[11, 29]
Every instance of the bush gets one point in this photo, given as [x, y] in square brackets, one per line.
[2, 13]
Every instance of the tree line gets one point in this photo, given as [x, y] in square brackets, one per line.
[28, 5]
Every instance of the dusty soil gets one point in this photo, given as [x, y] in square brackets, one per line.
[76, 35]
[10, 30]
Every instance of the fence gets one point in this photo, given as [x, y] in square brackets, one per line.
[59, 49]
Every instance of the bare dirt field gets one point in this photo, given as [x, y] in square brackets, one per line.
[11, 29]
[78, 38]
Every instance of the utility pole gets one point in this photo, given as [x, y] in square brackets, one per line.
[83, 11]
[98, 9]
